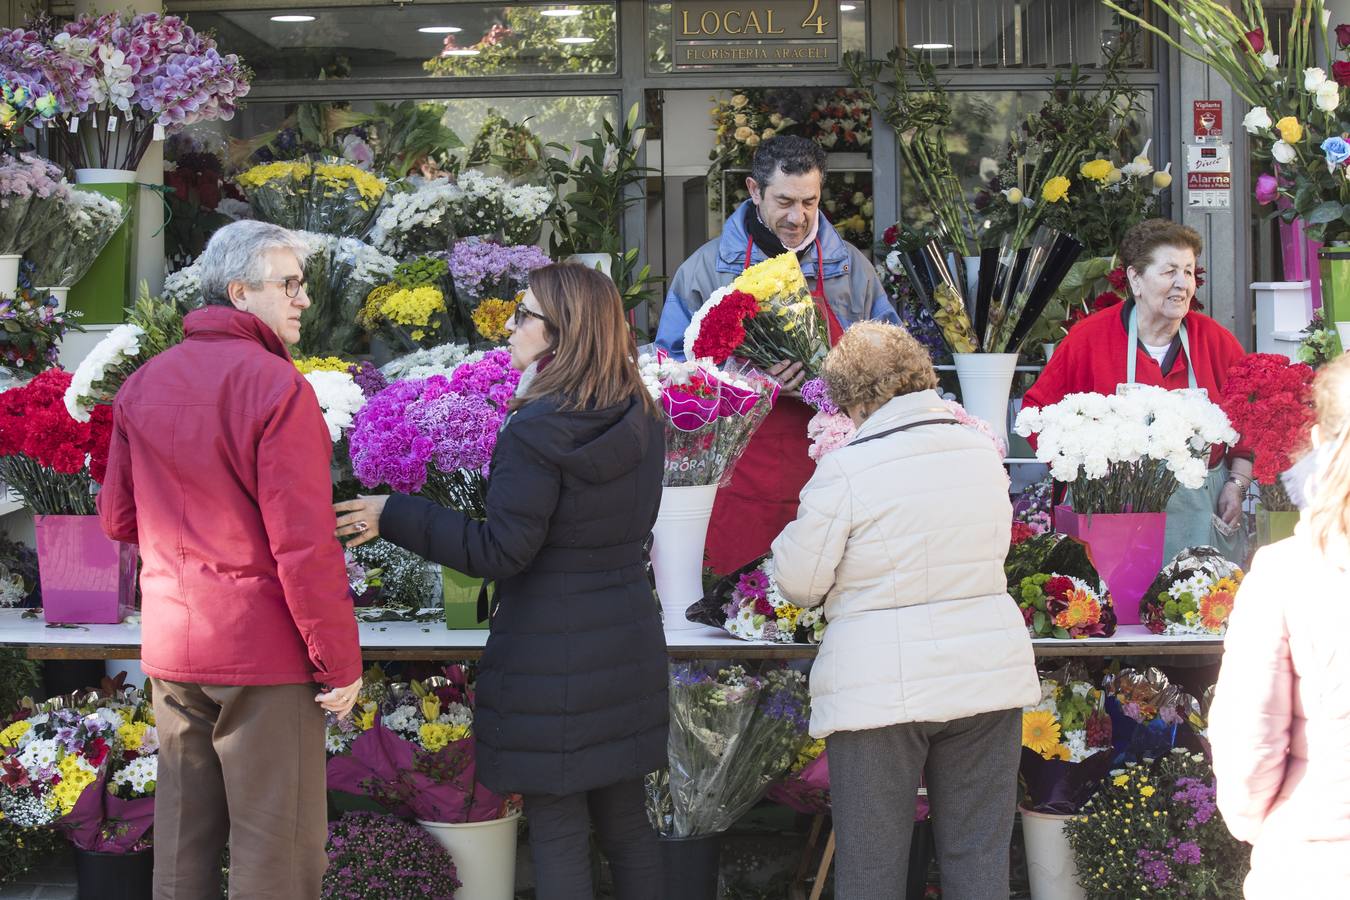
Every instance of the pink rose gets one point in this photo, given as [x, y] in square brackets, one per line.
[1267, 188]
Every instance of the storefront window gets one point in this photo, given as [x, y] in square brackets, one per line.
[660, 22]
[413, 41]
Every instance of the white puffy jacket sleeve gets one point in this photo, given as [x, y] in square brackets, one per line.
[809, 549]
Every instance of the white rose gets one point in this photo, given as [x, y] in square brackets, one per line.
[1283, 153]
[1257, 120]
[1270, 59]
[1313, 79]
[1328, 96]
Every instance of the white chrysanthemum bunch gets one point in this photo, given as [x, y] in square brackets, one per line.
[121, 345]
[526, 202]
[340, 398]
[417, 221]
[137, 778]
[440, 360]
[184, 288]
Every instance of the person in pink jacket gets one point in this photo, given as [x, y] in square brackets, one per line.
[219, 470]
[1280, 723]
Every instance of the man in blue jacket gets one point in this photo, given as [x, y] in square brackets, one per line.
[783, 214]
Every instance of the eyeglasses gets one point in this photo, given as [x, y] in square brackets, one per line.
[291, 284]
[522, 313]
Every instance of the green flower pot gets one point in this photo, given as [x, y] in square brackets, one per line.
[1274, 525]
[461, 599]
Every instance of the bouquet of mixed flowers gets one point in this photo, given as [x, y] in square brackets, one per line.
[31, 329]
[88, 221]
[710, 414]
[1059, 591]
[1032, 508]
[1193, 594]
[46, 455]
[85, 766]
[373, 855]
[765, 316]
[435, 436]
[120, 79]
[418, 218]
[1155, 830]
[439, 360]
[414, 753]
[1149, 715]
[732, 734]
[24, 96]
[411, 309]
[408, 584]
[327, 197]
[1127, 452]
[33, 197]
[1269, 401]
[488, 206]
[152, 327]
[841, 121]
[739, 124]
[1066, 743]
[806, 786]
[748, 604]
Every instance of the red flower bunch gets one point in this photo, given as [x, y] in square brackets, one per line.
[1021, 531]
[34, 423]
[1117, 278]
[723, 327]
[1269, 401]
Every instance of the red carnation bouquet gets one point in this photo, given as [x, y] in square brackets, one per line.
[1269, 401]
[49, 457]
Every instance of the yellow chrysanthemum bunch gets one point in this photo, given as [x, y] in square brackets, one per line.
[780, 276]
[1096, 169]
[808, 754]
[335, 178]
[1055, 190]
[260, 175]
[411, 308]
[75, 777]
[490, 317]
[307, 364]
[132, 734]
[435, 735]
[14, 733]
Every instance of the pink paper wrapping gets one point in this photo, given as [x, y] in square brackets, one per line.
[1300, 256]
[87, 578]
[1126, 548]
[102, 823]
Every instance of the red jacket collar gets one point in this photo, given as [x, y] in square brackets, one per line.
[226, 321]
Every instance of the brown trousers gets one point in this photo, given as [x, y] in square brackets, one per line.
[243, 766]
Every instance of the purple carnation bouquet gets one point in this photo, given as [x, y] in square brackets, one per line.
[435, 436]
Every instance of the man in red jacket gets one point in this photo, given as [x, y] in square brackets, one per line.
[219, 470]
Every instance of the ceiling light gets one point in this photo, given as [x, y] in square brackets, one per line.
[560, 13]
[290, 18]
[440, 29]
[459, 52]
[847, 7]
[932, 46]
[576, 40]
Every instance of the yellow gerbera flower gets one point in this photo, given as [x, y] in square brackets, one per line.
[1040, 731]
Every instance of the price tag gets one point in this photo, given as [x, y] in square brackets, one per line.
[112, 123]
[159, 132]
[74, 124]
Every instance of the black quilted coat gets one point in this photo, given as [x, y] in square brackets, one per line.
[572, 685]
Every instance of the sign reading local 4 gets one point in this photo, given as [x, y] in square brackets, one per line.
[773, 33]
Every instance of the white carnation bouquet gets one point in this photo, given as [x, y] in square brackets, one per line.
[417, 221]
[1127, 452]
[340, 397]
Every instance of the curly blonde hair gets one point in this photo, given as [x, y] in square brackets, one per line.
[1329, 512]
[873, 362]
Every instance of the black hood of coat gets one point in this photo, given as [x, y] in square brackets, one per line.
[600, 445]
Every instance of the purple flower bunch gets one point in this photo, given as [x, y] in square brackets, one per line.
[484, 268]
[372, 855]
[30, 176]
[816, 394]
[491, 377]
[1198, 795]
[368, 378]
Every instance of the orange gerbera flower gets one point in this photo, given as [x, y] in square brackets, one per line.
[1082, 610]
[1216, 606]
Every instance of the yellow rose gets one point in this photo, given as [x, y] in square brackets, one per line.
[744, 133]
[1055, 190]
[741, 119]
[739, 100]
[1291, 132]
[752, 141]
[768, 133]
[1097, 169]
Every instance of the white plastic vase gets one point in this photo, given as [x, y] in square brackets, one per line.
[60, 293]
[1048, 348]
[105, 176]
[599, 261]
[9, 273]
[986, 382]
[677, 550]
[484, 854]
[1050, 866]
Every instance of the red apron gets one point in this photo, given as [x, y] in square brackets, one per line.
[766, 484]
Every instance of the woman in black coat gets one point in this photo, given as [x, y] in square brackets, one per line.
[571, 702]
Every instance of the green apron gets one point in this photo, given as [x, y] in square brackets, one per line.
[1191, 511]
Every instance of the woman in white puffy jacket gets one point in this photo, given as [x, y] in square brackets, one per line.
[925, 664]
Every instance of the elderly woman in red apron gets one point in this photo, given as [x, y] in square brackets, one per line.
[781, 215]
[1155, 338]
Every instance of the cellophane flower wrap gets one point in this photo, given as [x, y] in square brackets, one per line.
[339, 274]
[1193, 594]
[710, 413]
[435, 436]
[88, 220]
[1269, 401]
[765, 316]
[45, 454]
[806, 786]
[1066, 743]
[1154, 830]
[732, 734]
[1149, 715]
[85, 765]
[328, 197]
[410, 748]
[33, 196]
[1129, 451]
[152, 327]
[1057, 588]
[417, 219]
[748, 604]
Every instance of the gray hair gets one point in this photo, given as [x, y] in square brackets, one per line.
[238, 252]
[788, 153]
